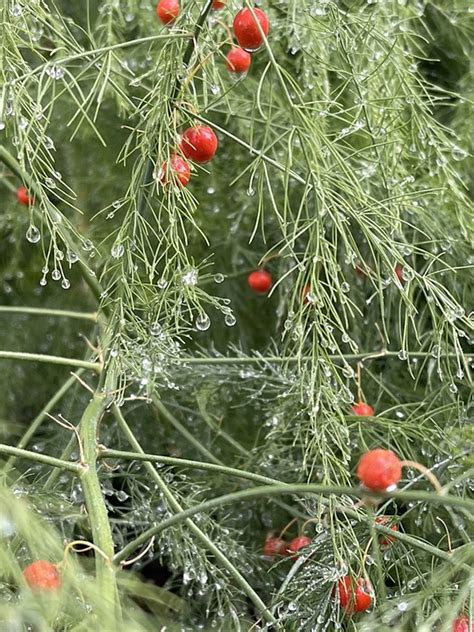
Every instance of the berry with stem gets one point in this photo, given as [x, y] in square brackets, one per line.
[274, 546]
[42, 575]
[361, 409]
[260, 281]
[199, 143]
[298, 543]
[379, 470]
[180, 171]
[246, 29]
[354, 596]
[167, 11]
[238, 60]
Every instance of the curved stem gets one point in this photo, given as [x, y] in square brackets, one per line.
[426, 473]
[50, 359]
[200, 535]
[276, 490]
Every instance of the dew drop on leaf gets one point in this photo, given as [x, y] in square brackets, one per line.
[33, 235]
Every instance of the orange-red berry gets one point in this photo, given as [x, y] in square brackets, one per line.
[23, 197]
[362, 410]
[167, 11]
[42, 575]
[246, 31]
[218, 4]
[260, 281]
[274, 546]
[354, 596]
[379, 469]
[180, 170]
[461, 624]
[199, 143]
[238, 60]
[386, 540]
[298, 543]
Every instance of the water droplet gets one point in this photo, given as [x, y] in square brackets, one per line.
[453, 388]
[190, 277]
[55, 72]
[117, 251]
[16, 11]
[2, 126]
[402, 354]
[458, 153]
[55, 274]
[33, 235]
[408, 274]
[203, 322]
[345, 287]
[87, 245]
[71, 257]
[65, 284]
[48, 142]
[162, 283]
[219, 278]
[230, 320]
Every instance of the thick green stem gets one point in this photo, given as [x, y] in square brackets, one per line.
[40, 458]
[95, 504]
[200, 535]
[50, 359]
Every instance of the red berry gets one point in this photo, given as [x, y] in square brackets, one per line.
[246, 30]
[260, 281]
[461, 624]
[199, 143]
[23, 197]
[167, 11]
[218, 4]
[238, 60]
[354, 598]
[274, 546]
[379, 469]
[385, 540]
[399, 273]
[298, 543]
[362, 410]
[180, 170]
[42, 575]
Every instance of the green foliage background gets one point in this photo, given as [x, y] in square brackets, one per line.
[348, 144]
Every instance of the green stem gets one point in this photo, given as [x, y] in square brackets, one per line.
[50, 359]
[40, 311]
[38, 420]
[199, 465]
[300, 488]
[40, 458]
[200, 535]
[95, 505]
[300, 358]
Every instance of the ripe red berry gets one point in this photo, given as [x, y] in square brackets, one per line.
[42, 575]
[386, 540]
[246, 30]
[167, 11]
[218, 4]
[379, 469]
[23, 197]
[399, 273]
[199, 143]
[298, 543]
[354, 596]
[362, 410]
[238, 60]
[461, 624]
[274, 546]
[180, 170]
[260, 281]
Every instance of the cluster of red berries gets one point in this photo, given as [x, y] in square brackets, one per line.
[276, 546]
[250, 26]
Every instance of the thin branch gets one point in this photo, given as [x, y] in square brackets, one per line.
[50, 359]
[41, 311]
[19, 453]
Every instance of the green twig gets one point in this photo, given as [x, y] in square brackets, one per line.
[41, 311]
[40, 458]
[50, 359]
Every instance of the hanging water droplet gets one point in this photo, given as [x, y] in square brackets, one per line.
[219, 278]
[203, 322]
[55, 72]
[33, 235]
[116, 204]
[230, 320]
[43, 281]
[155, 328]
[162, 283]
[402, 354]
[250, 191]
[71, 257]
[345, 287]
[55, 274]
[48, 142]
[408, 274]
[16, 11]
[453, 388]
[2, 126]
[87, 245]
[211, 190]
[117, 251]
[50, 183]
[65, 284]
[458, 153]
